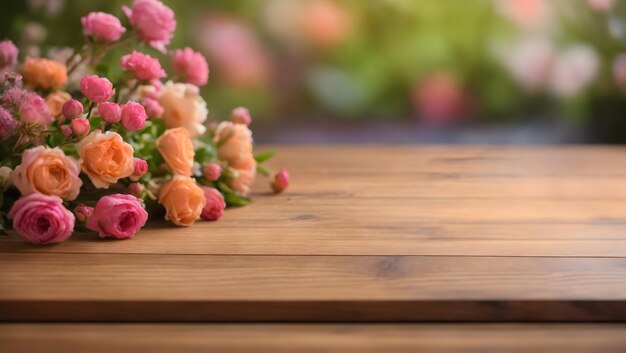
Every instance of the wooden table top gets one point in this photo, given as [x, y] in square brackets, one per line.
[363, 234]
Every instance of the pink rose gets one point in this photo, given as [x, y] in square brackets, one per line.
[7, 123]
[35, 111]
[83, 212]
[141, 168]
[153, 108]
[212, 171]
[72, 108]
[191, 66]
[96, 89]
[102, 26]
[143, 67]
[133, 116]
[214, 206]
[281, 181]
[117, 216]
[110, 112]
[8, 54]
[240, 115]
[42, 219]
[154, 22]
[80, 126]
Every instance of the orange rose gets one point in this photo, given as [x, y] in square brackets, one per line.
[183, 106]
[48, 171]
[55, 101]
[105, 158]
[245, 172]
[44, 73]
[176, 147]
[183, 200]
[235, 142]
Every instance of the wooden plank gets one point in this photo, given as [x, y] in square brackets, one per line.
[327, 288]
[165, 338]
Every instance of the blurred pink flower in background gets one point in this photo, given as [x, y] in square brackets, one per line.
[34, 110]
[574, 70]
[102, 26]
[528, 15]
[8, 55]
[324, 22]
[50, 7]
[529, 62]
[439, 98]
[191, 66]
[155, 23]
[7, 123]
[619, 70]
[234, 50]
[601, 5]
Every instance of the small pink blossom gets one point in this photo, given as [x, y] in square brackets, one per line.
[117, 216]
[8, 54]
[135, 189]
[214, 206]
[102, 26]
[35, 111]
[14, 98]
[141, 168]
[66, 130]
[154, 22]
[96, 89]
[110, 112]
[240, 115]
[83, 212]
[212, 171]
[7, 123]
[80, 126]
[72, 108]
[143, 66]
[42, 219]
[153, 107]
[601, 5]
[191, 66]
[281, 181]
[133, 116]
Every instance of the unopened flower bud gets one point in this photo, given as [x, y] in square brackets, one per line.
[80, 126]
[212, 171]
[72, 108]
[83, 212]
[136, 189]
[5, 180]
[240, 115]
[141, 168]
[281, 181]
[66, 130]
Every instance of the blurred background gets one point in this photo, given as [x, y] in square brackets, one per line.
[389, 71]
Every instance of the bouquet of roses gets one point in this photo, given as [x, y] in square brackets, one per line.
[105, 157]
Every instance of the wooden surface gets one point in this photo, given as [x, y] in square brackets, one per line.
[363, 234]
[191, 338]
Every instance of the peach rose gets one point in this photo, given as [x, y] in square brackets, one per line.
[55, 101]
[245, 172]
[44, 73]
[183, 107]
[183, 200]
[235, 142]
[176, 147]
[105, 158]
[48, 171]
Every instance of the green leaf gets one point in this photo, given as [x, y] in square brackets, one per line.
[262, 171]
[95, 122]
[224, 188]
[233, 200]
[262, 157]
[55, 139]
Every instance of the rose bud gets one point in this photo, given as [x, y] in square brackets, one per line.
[72, 108]
[281, 181]
[141, 168]
[83, 212]
[240, 115]
[117, 216]
[135, 189]
[110, 112]
[214, 206]
[66, 130]
[153, 108]
[212, 171]
[133, 116]
[80, 126]
[42, 219]
[5, 180]
[96, 89]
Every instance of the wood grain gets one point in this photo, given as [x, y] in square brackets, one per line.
[389, 233]
[166, 338]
